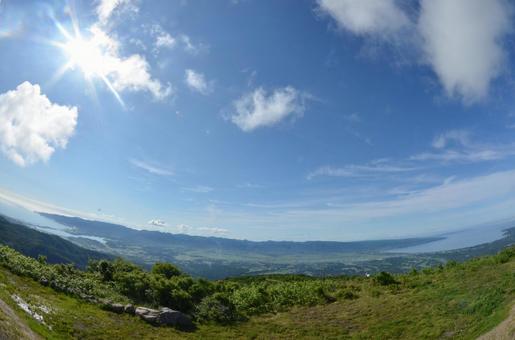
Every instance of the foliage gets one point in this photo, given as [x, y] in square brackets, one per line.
[461, 301]
[231, 300]
[218, 308]
[385, 279]
[165, 269]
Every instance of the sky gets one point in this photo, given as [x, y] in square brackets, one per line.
[262, 120]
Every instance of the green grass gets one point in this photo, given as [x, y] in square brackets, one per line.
[458, 301]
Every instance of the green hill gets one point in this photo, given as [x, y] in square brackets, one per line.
[458, 300]
[33, 243]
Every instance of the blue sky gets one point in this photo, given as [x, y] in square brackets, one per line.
[297, 120]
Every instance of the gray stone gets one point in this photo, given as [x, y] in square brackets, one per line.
[116, 307]
[129, 309]
[164, 316]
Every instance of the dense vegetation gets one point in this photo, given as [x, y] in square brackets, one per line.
[31, 242]
[458, 300]
[165, 285]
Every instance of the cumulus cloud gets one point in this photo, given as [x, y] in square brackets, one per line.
[131, 73]
[106, 8]
[31, 126]
[165, 40]
[463, 43]
[158, 223]
[162, 39]
[260, 109]
[197, 81]
[461, 40]
[379, 17]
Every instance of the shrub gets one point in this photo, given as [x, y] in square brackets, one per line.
[217, 308]
[385, 279]
[165, 269]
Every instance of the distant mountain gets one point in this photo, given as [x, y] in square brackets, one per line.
[119, 233]
[32, 243]
[218, 258]
[215, 257]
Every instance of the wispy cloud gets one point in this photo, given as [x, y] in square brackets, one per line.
[352, 118]
[201, 189]
[459, 146]
[378, 167]
[151, 168]
[190, 47]
[196, 81]
[213, 230]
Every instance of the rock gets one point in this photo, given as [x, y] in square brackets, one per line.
[113, 307]
[129, 309]
[147, 314]
[117, 308]
[43, 281]
[164, 316]
[172, 317]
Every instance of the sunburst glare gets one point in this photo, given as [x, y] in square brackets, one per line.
[90, 55]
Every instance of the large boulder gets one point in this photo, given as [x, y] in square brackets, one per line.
[147, 314]
[172, 317]
[165, 317]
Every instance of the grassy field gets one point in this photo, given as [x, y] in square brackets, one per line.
[458, 301]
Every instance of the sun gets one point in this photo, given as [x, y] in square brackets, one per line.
[86, 55]
[89, 55]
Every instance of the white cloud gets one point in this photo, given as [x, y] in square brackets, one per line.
[130, 73]
[197, 81]
[106, 8]
[125, 73]
[31, 126]
[352, 118]
[259, 109]
[461, 40]
[201, 189]
[379, 167]
[164, 40]
[150, 168]
[378, 17]
[158, 223]
[458, 136]
[463, 43]
[458, 146]
[213, 231]
[190, 47]
[468, 155]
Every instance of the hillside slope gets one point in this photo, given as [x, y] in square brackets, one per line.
[460, 301]
[32, 243]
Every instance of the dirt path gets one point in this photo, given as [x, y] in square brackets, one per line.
[12, 327]
[504, 331]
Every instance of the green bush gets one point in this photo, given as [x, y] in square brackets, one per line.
[165, 269]
[217, 308]
[385, 279]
